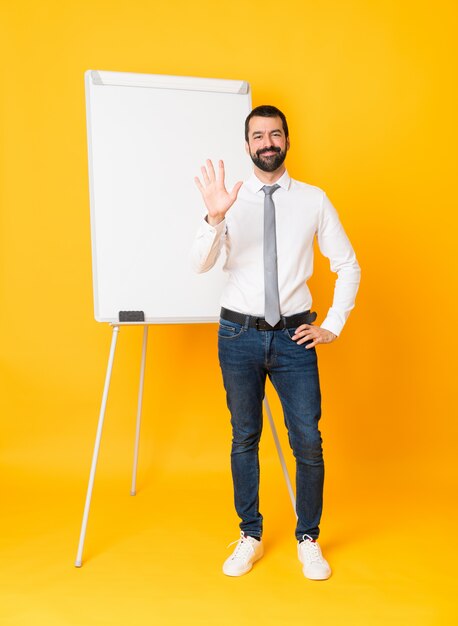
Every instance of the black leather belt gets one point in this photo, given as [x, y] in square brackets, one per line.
[307, 317]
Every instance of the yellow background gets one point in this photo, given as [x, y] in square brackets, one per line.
[370, 92]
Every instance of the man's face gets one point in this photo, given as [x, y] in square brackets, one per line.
[267, 144]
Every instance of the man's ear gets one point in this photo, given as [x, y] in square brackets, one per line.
[287, 143]
[247, 147]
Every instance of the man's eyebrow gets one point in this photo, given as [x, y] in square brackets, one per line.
[261, 132]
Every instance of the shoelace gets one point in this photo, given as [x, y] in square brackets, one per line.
[312, 550]
[244, 548]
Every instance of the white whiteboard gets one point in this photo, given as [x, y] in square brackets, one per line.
[148, 135]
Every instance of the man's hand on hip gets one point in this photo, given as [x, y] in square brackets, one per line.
[216, 197]
[306, 332]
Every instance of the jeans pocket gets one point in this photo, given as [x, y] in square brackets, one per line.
[290, 332]
[229, 330]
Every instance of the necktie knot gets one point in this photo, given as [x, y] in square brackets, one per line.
[270, 189]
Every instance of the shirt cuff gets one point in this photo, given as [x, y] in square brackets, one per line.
[218, 229]
[333, 325]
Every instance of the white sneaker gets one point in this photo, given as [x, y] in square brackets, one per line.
[246, 552]
[314, 565]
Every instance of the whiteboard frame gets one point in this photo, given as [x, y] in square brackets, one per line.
[99, 77]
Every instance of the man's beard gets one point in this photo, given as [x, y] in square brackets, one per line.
[270, 163]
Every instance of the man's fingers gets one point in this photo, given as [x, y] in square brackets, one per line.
[307, 332]
[221, 172]
[235, 190]
[217, 199]
[315, 336]
[205, 175]
[305, 335]
[302, 328]
[211, 170]
[199, 184]
[306, 338]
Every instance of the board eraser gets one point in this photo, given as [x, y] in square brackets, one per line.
[131, 316]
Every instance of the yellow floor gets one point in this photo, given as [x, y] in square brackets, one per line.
[156, 558]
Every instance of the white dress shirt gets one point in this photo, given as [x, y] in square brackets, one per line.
[302, 211]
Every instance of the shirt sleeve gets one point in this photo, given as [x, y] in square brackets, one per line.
[335, 245]
[207, 245]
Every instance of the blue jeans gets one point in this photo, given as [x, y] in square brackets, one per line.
[246, 356]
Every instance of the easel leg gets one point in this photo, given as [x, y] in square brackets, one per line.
[280, 454]
[133, 490]
[95, 455]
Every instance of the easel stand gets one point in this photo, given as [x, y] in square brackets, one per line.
[95, 456]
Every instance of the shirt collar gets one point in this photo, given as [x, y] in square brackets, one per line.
[254, 184]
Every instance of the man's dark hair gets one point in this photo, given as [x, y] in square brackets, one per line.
[266, 110]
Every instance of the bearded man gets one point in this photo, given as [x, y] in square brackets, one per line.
[267, 227]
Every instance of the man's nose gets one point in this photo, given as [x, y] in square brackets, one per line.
[267, 142]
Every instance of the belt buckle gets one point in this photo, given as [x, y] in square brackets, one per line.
[261, 324]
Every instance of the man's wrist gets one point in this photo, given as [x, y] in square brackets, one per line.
[214, 221]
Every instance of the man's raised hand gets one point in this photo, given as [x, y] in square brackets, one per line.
[216, 197]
